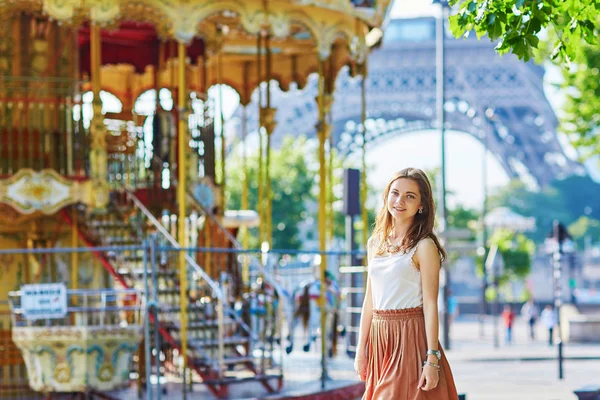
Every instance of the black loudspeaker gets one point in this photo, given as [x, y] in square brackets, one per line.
[351, 191]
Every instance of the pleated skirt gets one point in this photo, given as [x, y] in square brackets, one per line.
[396, 350]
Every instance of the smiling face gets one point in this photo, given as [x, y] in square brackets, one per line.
[404, 199]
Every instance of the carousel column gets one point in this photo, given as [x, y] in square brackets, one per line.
[98, 157]
[329, 89]
[269, 124]
[323, 131]
[221, 120]
[209, 161]
[363, 178]
[260, 202]
[245, 194]
[74, 255]
[181, 202]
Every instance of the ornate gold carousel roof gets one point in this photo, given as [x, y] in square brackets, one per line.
[301, 33]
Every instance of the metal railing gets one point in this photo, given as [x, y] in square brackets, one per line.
[166, 238]
[255, 262]
[85, 307]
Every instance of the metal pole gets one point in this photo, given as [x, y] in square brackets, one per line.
[182, 237]
[222, 130]
[558, 293]
[269, 132]
[572, 278]
[322, 214]
[155, 312]
[148, 353]
[484, 233]
[490, 265]
[363, 178]
[259, 205]
[440, 76]
[496, 307]
[245, 203]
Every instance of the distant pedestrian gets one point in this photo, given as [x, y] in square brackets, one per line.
[508, 318]
[549, 320]
[530, 312]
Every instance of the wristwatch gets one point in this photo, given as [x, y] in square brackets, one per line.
[436, 353]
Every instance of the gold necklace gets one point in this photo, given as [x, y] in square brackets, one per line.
[392, 248]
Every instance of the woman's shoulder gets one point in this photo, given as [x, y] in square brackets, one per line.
[426, 242]
[373, 242]
[426, 247]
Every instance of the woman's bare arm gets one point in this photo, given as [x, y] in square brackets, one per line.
[428, 259]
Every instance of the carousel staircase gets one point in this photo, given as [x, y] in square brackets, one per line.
[222, 349]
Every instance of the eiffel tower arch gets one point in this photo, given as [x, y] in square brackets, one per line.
[486, 94]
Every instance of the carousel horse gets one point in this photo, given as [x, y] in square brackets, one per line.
[305, 304]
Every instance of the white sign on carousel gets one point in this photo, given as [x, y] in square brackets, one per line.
[43, 301]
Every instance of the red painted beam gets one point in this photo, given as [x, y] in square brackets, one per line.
[87, 243]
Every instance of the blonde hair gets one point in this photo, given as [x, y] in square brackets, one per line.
[422, 226]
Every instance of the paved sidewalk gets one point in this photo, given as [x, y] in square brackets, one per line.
[524, 370]
[467, 344]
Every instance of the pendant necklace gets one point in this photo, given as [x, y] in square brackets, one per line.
[392, 248]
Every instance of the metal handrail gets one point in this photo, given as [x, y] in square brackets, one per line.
[237, 244]
[16, 293]
[103, 296]
[254, 261]
[161, 229]
[213, 285]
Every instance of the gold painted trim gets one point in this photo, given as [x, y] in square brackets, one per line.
[47, 192]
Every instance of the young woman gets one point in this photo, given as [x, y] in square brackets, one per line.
[398, 353]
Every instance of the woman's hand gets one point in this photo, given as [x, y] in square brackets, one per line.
[430, 377]
[360, 366]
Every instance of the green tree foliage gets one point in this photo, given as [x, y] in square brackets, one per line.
[571, 31]
[295, 185]
[293, 178]
[463, 218]
[517, 24]
[516, 251]
[583, 227]
[566, 200]
[580, 119]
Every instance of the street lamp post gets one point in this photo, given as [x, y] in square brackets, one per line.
[440, 97]
[491, 266]
[489, 114]
[559, 235]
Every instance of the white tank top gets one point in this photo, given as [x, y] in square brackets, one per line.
[395, 281]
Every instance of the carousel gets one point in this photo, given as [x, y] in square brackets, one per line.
[112, 147]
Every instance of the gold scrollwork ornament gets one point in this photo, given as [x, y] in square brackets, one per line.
[62, 373]
[106, 373]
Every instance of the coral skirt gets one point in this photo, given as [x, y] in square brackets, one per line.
[396, 351]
